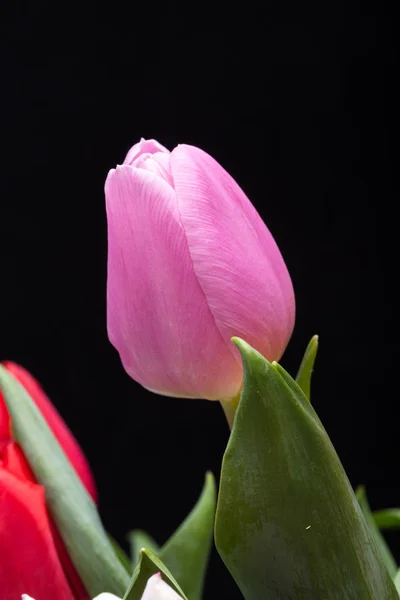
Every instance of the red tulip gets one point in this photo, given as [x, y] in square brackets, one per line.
[33, 559]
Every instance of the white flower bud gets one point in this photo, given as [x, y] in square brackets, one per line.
[157, 589]
[106, 596]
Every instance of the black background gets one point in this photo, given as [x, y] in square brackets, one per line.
[297, 106]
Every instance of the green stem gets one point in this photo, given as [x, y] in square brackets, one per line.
[230, 406]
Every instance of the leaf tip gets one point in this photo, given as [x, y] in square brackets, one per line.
[246, 350]
[360, 492]
[209, 479]
[239, 343]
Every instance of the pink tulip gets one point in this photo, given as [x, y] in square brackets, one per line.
[190, 265]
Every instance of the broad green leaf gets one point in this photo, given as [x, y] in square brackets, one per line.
[186, 553]
[387, 556]
[70, 505]
[388, 518]
[121, 554]
[139, 539]
[149, 565]
[288, 524]
[304, 373]
[397, 581]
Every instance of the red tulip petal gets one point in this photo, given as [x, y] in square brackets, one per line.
[15, 463]
[5, 432]
[56, 424]
[29, 562]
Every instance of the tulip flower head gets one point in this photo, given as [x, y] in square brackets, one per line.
[190, 265]
[44, 568]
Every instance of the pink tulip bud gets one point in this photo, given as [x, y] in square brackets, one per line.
[190, 265]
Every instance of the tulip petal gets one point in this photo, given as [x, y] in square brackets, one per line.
[142, 147]
[5, 429]
[235, 258]
[29, 562]
[73, 510]
[56, 424]
[156, 163]
[15, 462]
[151, 302]
[157, 589]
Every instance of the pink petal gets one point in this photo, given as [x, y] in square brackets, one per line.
[142, 147]
[155, 163]
[235, 258]
[158, 317]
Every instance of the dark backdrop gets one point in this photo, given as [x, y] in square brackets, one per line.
[296, 105]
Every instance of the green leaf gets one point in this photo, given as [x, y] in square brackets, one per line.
[187, 552]
[288, 525]
[121, 554]
[388, 518]
[70, 505]
[387, 556]
[139, 539]
[304, 373]
[149, 565]
[397, 581]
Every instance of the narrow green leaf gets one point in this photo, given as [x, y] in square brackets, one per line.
[288, 525]
[187, 552]
[304, 373]
[70, 505]
[121, 554]
[397, 581]
[149, 564]
[387, 556]
[388, 518]
[139, 539]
